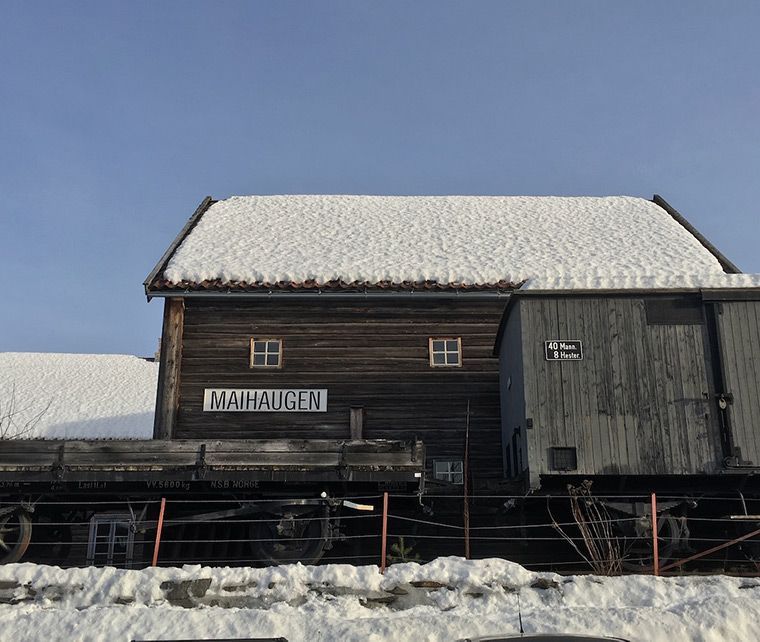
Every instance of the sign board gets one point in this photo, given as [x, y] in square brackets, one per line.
[264, 400]
[563, 350]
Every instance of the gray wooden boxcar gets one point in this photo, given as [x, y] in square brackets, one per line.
[626, 386]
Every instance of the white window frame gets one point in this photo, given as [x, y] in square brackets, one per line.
[111, 541]
[450, 471]
[446, 352]
[267, 353]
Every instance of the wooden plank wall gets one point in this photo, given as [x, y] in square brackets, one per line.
[640, 401]
[167, 400]
[512, 387]
[739, 331]
[370, 354]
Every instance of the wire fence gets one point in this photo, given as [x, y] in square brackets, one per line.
[538, 532]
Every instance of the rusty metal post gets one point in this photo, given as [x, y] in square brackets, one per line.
[711, 550]
[158, 531]
[466, 489]
[385, 531]
[655, 543]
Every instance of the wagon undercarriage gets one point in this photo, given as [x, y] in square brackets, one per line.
[278, 499]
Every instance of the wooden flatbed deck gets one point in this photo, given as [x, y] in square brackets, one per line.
[194, 460]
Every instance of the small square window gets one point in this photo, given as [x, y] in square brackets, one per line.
[266, 353]
[445, 352]
[451, 471]
[563, 458]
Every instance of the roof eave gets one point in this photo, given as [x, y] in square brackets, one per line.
[161, 265]
[295, 293]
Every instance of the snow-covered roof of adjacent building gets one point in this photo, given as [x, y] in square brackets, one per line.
[252, 243]
[69, 396]
[682, 282]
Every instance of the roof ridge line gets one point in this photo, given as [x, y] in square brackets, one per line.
[727, 265]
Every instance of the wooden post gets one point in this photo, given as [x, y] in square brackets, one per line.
[167, 397]
[655, 544]
[356, 422]
[158, 531]
[385, 531]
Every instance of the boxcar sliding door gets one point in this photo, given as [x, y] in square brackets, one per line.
[739, 336]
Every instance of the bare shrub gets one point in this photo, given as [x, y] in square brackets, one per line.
[15, 419]
[602, 547]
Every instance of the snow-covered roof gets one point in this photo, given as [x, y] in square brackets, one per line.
[429, 241]
[719, 281]
[70, 396]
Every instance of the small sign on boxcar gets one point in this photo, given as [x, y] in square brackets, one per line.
[563, 350]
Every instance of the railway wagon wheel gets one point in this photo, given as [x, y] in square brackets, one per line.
[52, 539]
[290, 536]
[638, 553]
[15, 534]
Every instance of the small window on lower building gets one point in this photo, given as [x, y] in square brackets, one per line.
[445, 352]
[563, 458]
[111, 541]
[266, 353]
[449, 470]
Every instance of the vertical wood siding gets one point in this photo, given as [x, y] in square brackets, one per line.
[739, 332]
[511, 370]
[370, 354]
[640, 401]
[167, 396]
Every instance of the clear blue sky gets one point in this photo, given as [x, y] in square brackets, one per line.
[117, 118]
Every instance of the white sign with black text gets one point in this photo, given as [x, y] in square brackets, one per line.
[563, 350]
[264, 400]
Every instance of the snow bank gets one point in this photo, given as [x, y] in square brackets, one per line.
[67, 396]
[447, 239]
[447, 599]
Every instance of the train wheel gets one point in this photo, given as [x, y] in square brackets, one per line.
[15, 533]
[638, 554]
[52, 539]
[289, 537]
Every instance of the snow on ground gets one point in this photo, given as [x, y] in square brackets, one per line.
[94, 396]
[446, 239]
[447, 599]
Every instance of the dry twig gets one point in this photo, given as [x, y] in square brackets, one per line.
[603, 551]
[13, 424]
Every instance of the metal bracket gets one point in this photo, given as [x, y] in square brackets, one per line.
[200, 466]
[58, 468]
[737, 461]
[343, 472]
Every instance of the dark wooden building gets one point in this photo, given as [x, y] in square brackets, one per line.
[370, 318]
